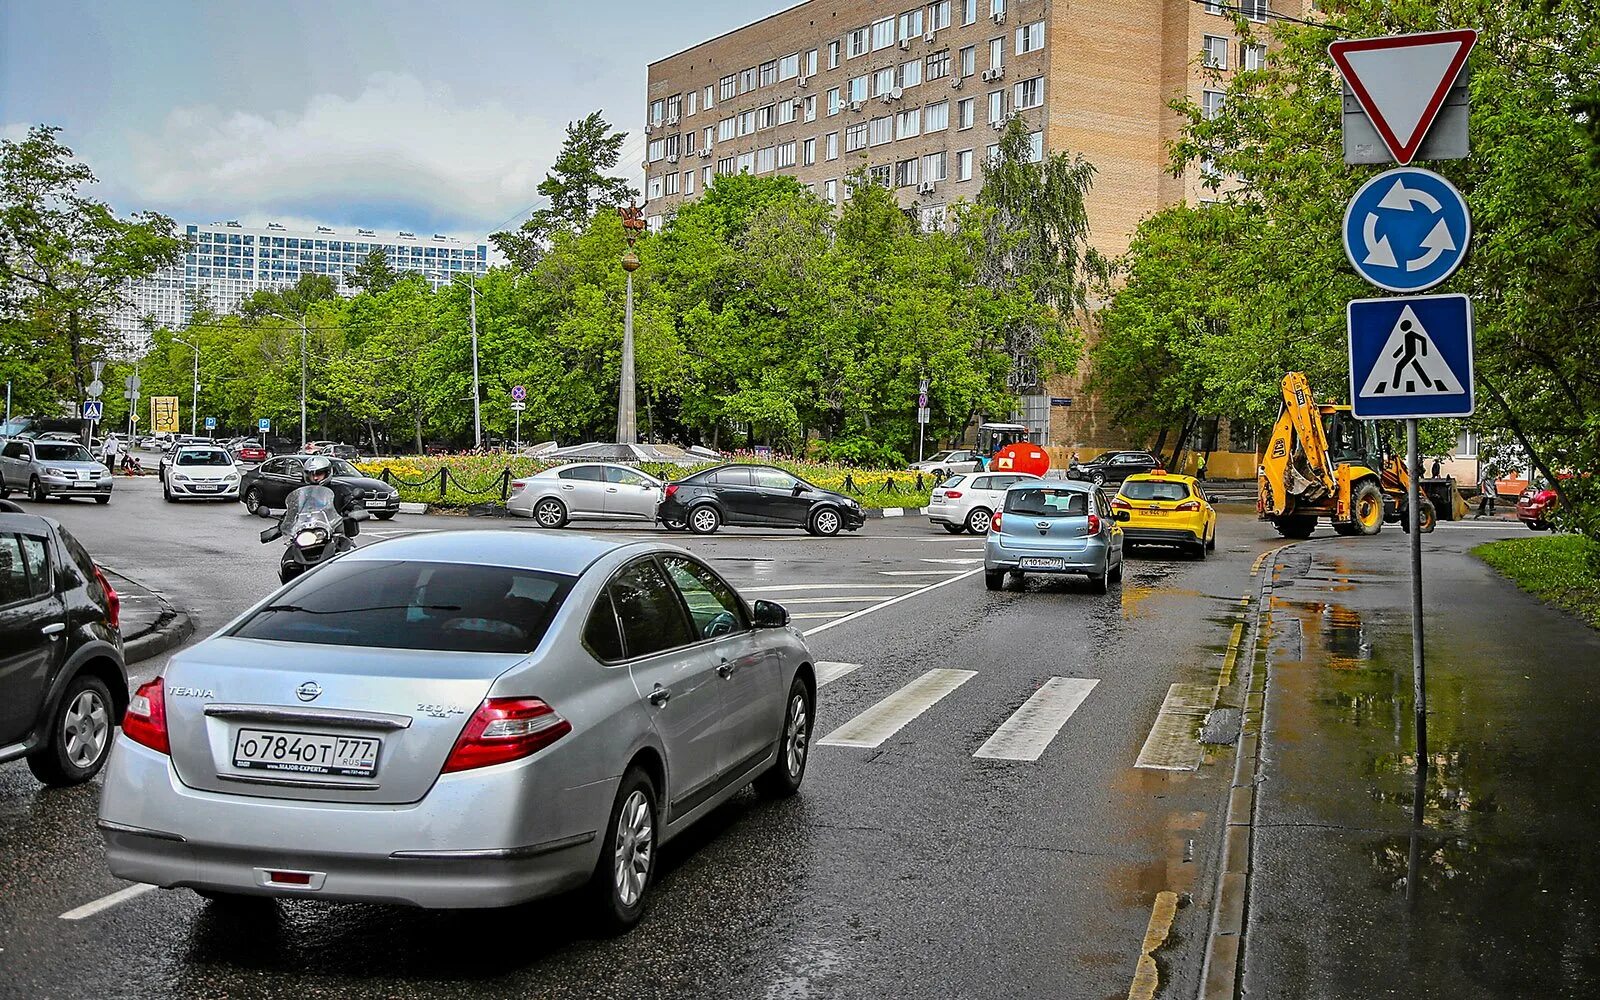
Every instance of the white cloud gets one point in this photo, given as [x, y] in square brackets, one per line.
[419, 149]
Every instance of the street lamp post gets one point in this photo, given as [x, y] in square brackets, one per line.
[194, 400]
[477, 414]
[627, 403]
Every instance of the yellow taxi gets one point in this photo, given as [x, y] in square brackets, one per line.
[1156, 508]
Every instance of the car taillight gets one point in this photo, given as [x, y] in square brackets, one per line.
[113, 602]
[952, 494]
[517, 486]
[1188, 506]
[1094, 524]
[505, 729]
[672, 489]
[994, 522]
[1118, 503]
[145, 721]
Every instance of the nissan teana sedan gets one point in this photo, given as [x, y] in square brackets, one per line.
[459, 719]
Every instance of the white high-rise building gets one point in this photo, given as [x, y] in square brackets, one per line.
[226, 261]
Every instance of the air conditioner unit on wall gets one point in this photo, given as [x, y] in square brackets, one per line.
[955, 82]
[905, 45]
[928, 38]
[672, 120]
[803, 82]
[672, 158]
[999, 17]
[926, 187]
[648, 128]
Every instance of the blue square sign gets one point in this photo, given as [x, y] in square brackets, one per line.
[1411, 357]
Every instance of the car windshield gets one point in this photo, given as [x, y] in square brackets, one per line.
[1149, 489]
[343, 468]
[49, 452]
[414, 605]
[1042, 501]
[209, 456]
[940, 456]
[1105, 456]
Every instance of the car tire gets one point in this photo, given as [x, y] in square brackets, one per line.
[783, 778]
[1200, 550]
[1099, 479]
[619, 901]
[252, 500]
[166, 494]
[5, 492]
[704, 520]
[1100, 583]
[387, 515]
[1116, 574]
[81, 731]
[102, 501]
[674, 525]
[826, 523]
[978, 520]
[550, 513]
[1296, 526]
[994, 581]
[1211, 545]
[955, 529]
[36, 491]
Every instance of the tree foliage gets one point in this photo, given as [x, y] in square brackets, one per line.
[577, 186]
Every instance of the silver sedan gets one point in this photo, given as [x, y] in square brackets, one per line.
[459, 719]
[596, 491]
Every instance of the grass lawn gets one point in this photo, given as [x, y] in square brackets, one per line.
[1558, 569]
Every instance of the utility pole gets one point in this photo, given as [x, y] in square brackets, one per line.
[302, 383]
[627, 395]
[477, 415]
[194, 400]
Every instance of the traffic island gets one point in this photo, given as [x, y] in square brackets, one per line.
[150, 624]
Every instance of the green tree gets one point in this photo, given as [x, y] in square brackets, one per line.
[374, 274]
[577, 186]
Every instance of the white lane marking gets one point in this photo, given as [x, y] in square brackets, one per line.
[1029, 730]
[827, 586]
[819, 614]
[837, 600]
[1458, 525]
[117, 898]
[970, 550]
[1172, 745]
[954, 562]
[852, 616]
[918, 572]
[829, 671]
[889, 716]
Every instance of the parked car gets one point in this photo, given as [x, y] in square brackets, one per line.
[268, 484]
[1114, 466]
[61, 665]
[1054, 528]
[1166, 509]
[460, 719]
[250, 451]
[1535, 505]
[965, 502]
[586, 491]
[52, 468]
[756, 496]
[947, 463]
[201, 472]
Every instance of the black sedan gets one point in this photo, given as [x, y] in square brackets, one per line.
[61, 665]
[268, 484]
[1114, 466]
[756, 496]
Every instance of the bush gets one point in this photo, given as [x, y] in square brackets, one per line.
[861, 451]
[1559, 570]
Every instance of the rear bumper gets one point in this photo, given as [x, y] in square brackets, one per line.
[476, 840]
[1163, 536]
[1093, 558]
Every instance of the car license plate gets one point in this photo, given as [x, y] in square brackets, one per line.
[305, 753]
[1042, 562]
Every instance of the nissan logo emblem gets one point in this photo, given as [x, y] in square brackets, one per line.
[309, 691]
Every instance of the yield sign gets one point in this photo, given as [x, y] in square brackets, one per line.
[1401, 81]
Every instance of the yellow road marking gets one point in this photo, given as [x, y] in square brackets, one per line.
[1145, 976]
[1232, 656]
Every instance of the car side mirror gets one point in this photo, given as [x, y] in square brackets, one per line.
[800, 488]
[1122, 515]
[770, 614]
[270, 533]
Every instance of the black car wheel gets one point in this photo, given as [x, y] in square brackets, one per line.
[674, 525]
[252, 499]
[387, 515]
[704, 520]
[36, 491]
[955, 529]
[102, 500]
[994, 581]
[81, 731]
[1098, 478]
[826, 522]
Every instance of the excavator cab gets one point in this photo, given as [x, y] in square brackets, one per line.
[1351, 441]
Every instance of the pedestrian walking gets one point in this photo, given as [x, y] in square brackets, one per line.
[1435, 469]
[110, 450]
[1486, 488]
[1200, 470]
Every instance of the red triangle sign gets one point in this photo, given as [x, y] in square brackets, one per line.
[1401, 81]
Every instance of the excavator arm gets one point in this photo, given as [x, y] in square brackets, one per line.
[1297, 434]
[1301, 410]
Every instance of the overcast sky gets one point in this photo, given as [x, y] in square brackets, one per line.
[438, 116]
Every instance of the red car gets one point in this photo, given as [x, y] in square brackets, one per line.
[1534, 507]
[251, 453]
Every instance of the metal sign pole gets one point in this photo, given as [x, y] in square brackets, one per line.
[1418, 673]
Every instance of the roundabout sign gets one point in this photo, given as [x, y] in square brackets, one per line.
[1406, 230]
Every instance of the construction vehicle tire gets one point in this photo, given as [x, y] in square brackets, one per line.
[1296, 526]
[1346, 529]
[1366, 508]
[1429, 518]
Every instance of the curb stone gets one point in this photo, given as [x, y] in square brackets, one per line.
[171, 628]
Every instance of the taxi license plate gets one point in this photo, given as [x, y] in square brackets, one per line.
[1042, 562]
[305, 753]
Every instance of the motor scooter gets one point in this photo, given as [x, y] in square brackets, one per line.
[316, 531]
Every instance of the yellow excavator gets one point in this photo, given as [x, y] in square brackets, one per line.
[1323, 462]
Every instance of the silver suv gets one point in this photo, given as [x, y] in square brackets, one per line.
[44, 469]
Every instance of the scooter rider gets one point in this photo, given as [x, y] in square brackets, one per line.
[318, 471]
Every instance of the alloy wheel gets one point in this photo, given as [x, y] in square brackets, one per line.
[252, 500]
[796, 736]
[36, 490]
[635, 847]
[827, 523]
[548, 514]
[978, 521]
[84, 728]
[704, 520]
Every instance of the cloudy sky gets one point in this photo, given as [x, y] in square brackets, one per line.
[427, 116]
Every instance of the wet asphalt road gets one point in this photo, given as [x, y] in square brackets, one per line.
[909, 870]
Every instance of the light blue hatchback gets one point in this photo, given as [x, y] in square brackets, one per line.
[1054, 527]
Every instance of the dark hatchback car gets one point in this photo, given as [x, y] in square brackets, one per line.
[756, 496]
[268, 484]
[63, 683]
[1114, 467]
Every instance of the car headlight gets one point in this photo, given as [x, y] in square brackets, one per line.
[55, 472]
[231, 477]
[311, 536]
[180, 477]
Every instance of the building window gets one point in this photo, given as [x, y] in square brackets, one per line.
[1216, 52]
[747, 122]
[1253, 56]
[747, 80]
[653, 189]
[786, 113]
[708, 136]
[964, 165]
[997, 107]
[655, 112]
[833, 55]
[674, 107]
[965, 112]
[881, 130]
[934, 167]
[725, 165]
[858, 90]
[1035, 147]
[1029, 93]
[1255, 10]
[830, 146]
[1214, 7]
[672, 184]
[882, 33]
[769, 73]
[883, 81]
[705, 177]
[938, 117]
[810, 105]
[831, 191]
[855, 137]
[1211, 104]
[656, 150]
[694, 99]
[857, 42]
[789, 66]
[906, 172]
[810, 65]
[808, 152]
[726, 129]
[764, 117]
[992, 154]
[747, 162]
[911, 73]
[786, 154]
[688, 183]
[911, 24]
[997, 53]
[1030, 37]
[969, 61]
[908, 124]
[835, 102]
[969, 11]
[726, 87]
[938, 16]
[938, 65]
[997, 7]
[708, 101]
[882, 175]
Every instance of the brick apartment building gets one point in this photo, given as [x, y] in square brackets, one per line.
[913, 93]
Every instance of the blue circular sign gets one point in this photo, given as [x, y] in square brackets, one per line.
[1406, 230]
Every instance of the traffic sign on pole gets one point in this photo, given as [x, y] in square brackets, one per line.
[1407, 229]
[95, 388]
[519, 393]
[93, 409]
[211, 423]
[263, 425]
[1402, 82]
[519, 406]
[1411, 357]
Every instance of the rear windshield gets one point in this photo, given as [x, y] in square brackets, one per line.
[1149, 489]
[415, 605]
[203, 458]
[952, 482]
[1042, 501]
[48, 452]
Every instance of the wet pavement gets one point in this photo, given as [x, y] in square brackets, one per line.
[1503, 873]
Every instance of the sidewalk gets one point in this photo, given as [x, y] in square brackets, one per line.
[1508, 867]
[150, 623]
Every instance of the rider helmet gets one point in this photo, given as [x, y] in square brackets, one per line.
[318, 470]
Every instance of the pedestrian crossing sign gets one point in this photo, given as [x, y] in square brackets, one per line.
[1411, 357]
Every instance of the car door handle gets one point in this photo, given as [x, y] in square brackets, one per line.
[659, 696]
[53, 629]
[725, 669]
[566, 486]
[611, 489]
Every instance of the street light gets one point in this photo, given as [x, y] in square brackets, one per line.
[627, 403]
[194, 400]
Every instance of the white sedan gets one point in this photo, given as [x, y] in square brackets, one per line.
[594, 491]
[200, 472]
[967, 502]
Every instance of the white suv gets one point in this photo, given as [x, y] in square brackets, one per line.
[967, 501]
